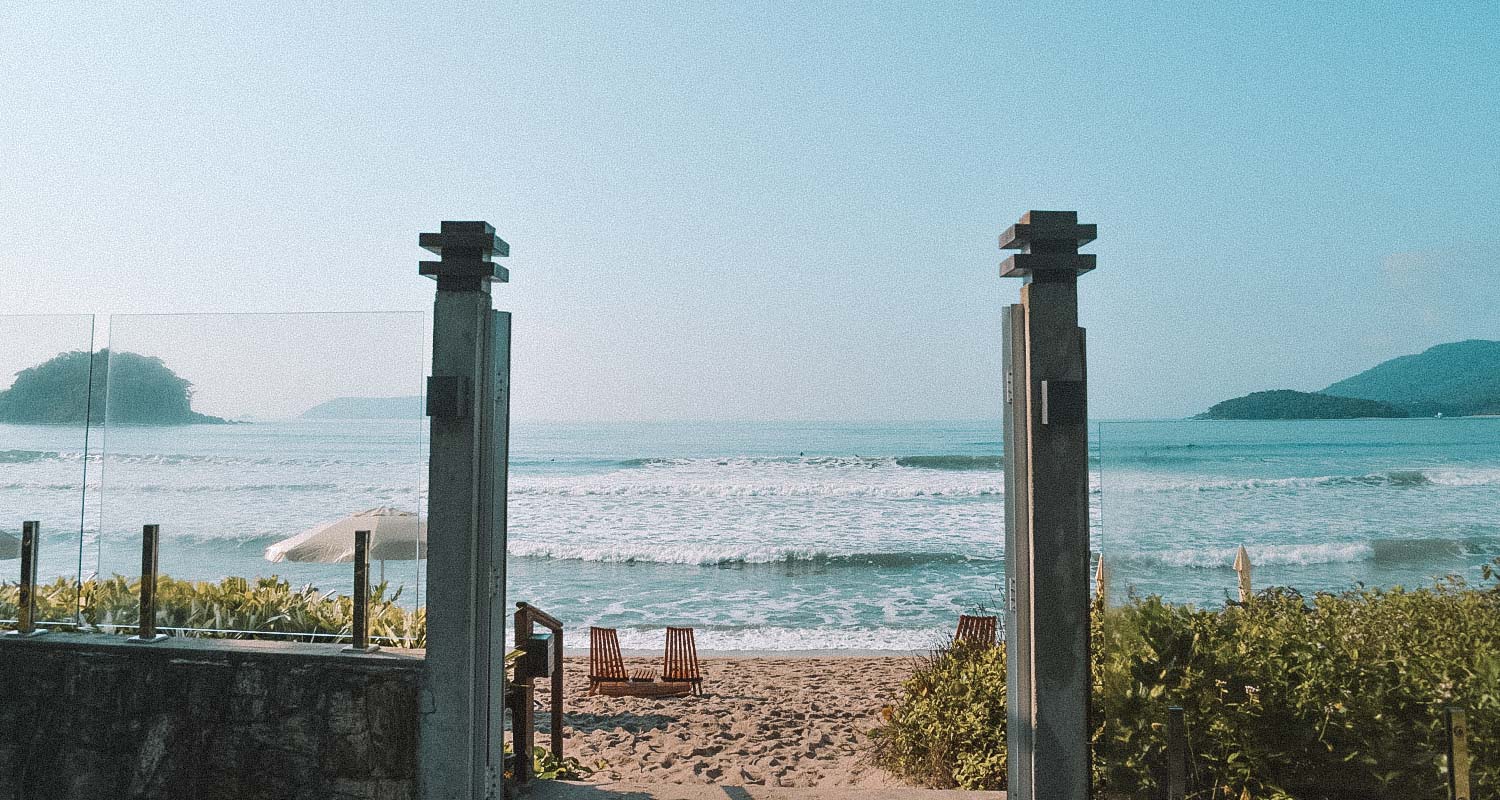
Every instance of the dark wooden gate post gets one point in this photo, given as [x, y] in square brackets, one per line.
[1047, 531]
[468, 399]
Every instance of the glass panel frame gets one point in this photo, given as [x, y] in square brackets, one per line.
[45, 463]
[262, 450]
[1320, 505]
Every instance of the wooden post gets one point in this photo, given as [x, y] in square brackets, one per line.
[1101, 582]
[557, 694]
[1047, 463]
[31, 542]
[1176, 754]
[468, 401]
[523, 714]
[146, 624]
[1242, 566]
[360, 638]
[1458, 753]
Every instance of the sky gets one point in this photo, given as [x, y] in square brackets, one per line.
[758, 211]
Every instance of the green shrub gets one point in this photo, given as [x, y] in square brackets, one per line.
[948, 731]
[263, 606]
[1339, 696]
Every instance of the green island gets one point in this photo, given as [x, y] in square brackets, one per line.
[69, 389]
[1456, 379]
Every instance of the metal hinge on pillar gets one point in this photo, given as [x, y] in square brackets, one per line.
[492, 790]
[497, 583]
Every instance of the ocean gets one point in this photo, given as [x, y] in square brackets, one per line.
[783, 536]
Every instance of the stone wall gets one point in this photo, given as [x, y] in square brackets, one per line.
[91, 716]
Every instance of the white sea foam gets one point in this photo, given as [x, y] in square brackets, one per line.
[1395, 478]
[782, 639]
[594, 487]
[851, 477]
[1260, 555]
[726, 553]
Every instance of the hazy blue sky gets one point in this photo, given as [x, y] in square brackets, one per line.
[776, 210]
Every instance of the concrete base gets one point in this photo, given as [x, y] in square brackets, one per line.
[567, 790]
[91, 716]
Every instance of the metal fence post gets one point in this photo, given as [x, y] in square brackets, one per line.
[146, 626]
[1047, 537]
[1176, 754]
[1458, 753]
[361, 634]
[31, 535]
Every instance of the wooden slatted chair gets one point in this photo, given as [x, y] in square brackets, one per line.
[606, 665]
[976, 630]
[608, 676]
[681, 663]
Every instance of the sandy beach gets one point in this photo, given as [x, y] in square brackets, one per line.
[777, 721]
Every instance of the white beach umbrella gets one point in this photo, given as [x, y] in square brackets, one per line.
[395, 535]
[10, 546]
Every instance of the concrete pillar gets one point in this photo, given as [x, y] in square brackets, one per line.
[1047, 531]
[468, 400]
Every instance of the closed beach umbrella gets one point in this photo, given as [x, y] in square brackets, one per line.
[395, 535]
[10, 546]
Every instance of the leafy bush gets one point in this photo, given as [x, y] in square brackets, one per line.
[948, 731]
[263, 605]
[1337, 696]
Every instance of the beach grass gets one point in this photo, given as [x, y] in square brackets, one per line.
[232, 608]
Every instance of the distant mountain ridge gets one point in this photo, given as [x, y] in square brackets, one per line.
[367, 408]
[1454, 379]
[1288, 404]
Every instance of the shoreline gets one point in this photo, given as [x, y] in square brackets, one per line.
[768, 655]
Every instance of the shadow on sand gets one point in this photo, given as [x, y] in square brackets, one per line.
[627, 721]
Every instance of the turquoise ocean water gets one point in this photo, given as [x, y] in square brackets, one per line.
[783, 536]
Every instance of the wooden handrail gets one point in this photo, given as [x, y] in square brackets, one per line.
[541, 617]
[522, 717]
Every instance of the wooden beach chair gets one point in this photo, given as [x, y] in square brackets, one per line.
[976, 630]
[606, 665]
[608, 676]
[681, 663]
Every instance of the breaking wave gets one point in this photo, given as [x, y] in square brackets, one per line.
[1396, 479]
[718, 557]
[789, 489]
[941, 462]
[739, 639]
[1386, 551]
[32, 456]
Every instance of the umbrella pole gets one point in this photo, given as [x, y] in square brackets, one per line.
[382, 571]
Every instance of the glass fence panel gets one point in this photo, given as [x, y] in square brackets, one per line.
[1317, 504]
[45, 402]
[260, 443]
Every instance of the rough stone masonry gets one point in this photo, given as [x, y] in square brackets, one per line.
[90, 716]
